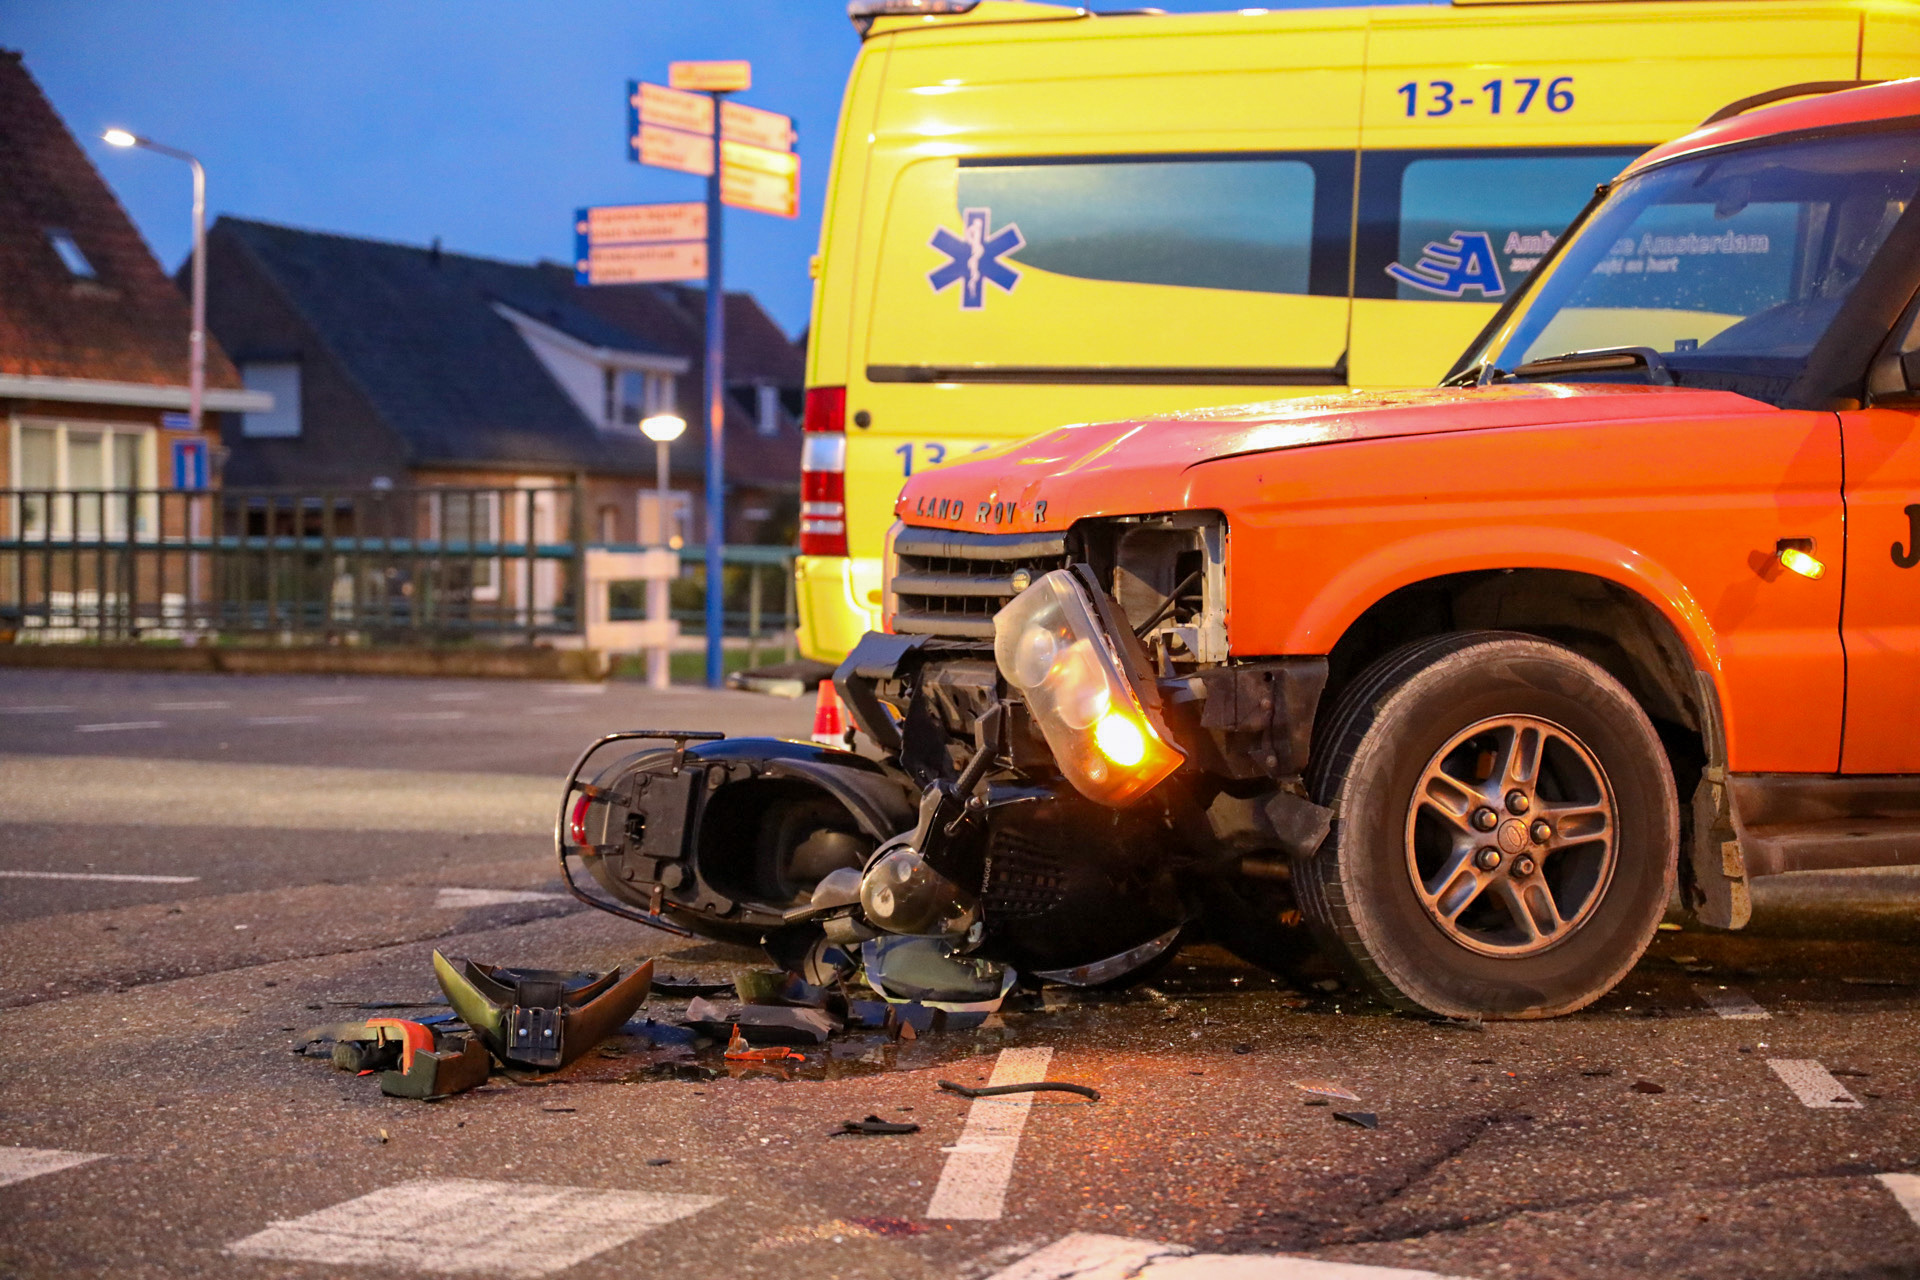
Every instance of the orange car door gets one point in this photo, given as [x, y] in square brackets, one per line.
[1880, 622]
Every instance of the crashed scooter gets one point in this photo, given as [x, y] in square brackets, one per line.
[1016, 822]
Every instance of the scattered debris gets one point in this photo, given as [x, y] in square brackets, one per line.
[1243, 1048]
[1648, 1086]
[1846, 1071]
[690, 987]
[777, 987]
[1458, 1024]
[1598, 1071]
[1327, 984]
[874, 1125]
[1365, 1119]
[656, 1161]
[1326, 1089]
[738, 1050]
[1667, 926]
[1039, 1086]
[412, 1060]
[762, 1023]
[559, 1110]
[541, 1017]
[1876, 982]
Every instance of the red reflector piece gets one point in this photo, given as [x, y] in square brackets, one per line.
[823, 473]
[577, 821]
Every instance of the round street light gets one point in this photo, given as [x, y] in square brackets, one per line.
[120, 138]
[663, 428]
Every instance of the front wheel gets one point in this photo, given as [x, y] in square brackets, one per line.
[1506, 828]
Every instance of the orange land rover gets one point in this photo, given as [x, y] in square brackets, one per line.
[1474, 676]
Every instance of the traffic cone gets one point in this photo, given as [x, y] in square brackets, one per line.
[829, 724]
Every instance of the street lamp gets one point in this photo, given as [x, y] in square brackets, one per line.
[197, 336]
[663, 429]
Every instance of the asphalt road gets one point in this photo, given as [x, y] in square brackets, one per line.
[1743, 1105]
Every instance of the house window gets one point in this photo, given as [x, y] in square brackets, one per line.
[281, 380]
[640, 394]
[70, 256]
[462, 522]
[75, 476]
[766, 416]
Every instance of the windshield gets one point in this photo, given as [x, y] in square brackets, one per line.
[1724, 270]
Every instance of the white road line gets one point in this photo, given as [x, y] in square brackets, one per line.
[35, 711]
[468, 898]
[430, 715]
[550, 711]
[17, 1164]
[283, 719]
[579, 690]
[464, 1225]
[1731, 1003]
[1813, 1084]
[88, 875]
[1906, 1189]
[974, 1182]
[343, 700]
[116, 726]
[1084, 1256]
[191, 706]
[455, 697]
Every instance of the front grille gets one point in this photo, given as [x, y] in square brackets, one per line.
[951, 584]
[1023, 877]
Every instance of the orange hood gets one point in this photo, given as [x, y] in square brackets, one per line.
[1147, 465]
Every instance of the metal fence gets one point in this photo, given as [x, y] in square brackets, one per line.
[376, 566]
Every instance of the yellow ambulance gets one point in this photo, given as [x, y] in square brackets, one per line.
[1040, 214]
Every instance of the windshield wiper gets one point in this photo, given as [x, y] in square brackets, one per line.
[1477, 375]
[1600, 360]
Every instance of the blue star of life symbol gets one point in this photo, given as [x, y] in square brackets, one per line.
[974, 259]
[1463, 261]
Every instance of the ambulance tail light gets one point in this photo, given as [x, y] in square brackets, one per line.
[823, 473]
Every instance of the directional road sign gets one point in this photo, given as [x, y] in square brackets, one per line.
[711, 77]
[632, 243]
[760, 179]
[751, 125]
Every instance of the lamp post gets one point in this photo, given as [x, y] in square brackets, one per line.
[197, 335]
[663, 429]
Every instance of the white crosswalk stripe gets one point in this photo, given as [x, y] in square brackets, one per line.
[974, 1182]
[1731, 1003]
[465, 1225]
[1813, 1084]
[1085, 1256]
[17, 1164]
[466, 899]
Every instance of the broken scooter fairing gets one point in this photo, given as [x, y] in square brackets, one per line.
[811, 851]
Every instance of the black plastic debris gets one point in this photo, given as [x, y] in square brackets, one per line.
[875, 1126]
[414, 1061]
[1039, 1086]
[1365, 1119]
[690, 986]
[1648, 1086]
[1597, 1072]
[761, 1023]
[656, 1161]
[760, 986]
[1243, 1048]
[541, 1018]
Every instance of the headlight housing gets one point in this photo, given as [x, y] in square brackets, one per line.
[1054, 647]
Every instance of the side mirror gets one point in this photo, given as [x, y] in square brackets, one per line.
[1894, 379]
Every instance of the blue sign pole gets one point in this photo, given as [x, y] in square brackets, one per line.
[716, 409]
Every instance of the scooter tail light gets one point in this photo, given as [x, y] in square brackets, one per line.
[1052, 647]
[823, 473]
[577, 820]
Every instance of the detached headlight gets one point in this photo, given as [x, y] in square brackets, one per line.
[1052, 646]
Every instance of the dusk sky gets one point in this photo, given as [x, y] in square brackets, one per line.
[482, 122]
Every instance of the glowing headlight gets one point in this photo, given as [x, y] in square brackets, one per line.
[1053, 648]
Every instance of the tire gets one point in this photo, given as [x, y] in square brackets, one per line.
[1413, 752]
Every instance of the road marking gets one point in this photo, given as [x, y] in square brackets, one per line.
[17, 1164]
[581, 690]
[35, 711]
[283, 719]
[119, 725]
[191, 706]
[343, 700]
[461, 1224]
[1906, 1189]
[1813, 1084]
[455, 697]
[430, 715]
[88, 875]
[1731, 1003]
[974, 1182]
[467, 898]
[551, 711]
[1085, 1256]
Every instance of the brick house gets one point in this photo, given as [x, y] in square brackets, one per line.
[93, 368]
[414, 367]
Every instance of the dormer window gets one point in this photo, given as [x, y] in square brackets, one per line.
[76, 262]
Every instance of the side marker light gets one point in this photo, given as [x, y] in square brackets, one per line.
[1797, 561]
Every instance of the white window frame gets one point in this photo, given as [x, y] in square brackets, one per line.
[110, 524]
[488, 590]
